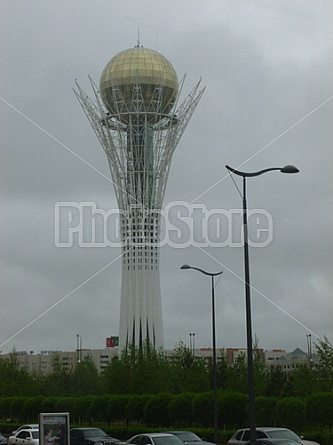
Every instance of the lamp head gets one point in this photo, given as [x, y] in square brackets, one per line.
[289, 169]
[186, 266]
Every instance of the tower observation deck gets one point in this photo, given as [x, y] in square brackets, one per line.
[139, 122]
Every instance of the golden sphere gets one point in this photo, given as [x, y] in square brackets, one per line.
[145, 68]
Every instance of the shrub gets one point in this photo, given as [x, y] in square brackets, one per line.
[135, 407]
[290, 412]
[156, 410]
[117, 407]
[203, 409]
[319, 409]
[233, 409]
[180, 409]
[266, 410]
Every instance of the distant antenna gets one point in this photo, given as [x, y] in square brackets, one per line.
[138, 45]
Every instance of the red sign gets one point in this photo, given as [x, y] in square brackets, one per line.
[112, 342]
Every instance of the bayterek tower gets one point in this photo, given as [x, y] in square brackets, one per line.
[139, 121]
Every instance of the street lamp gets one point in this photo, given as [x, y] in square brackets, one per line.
[212, 275]
[192, 341]
[252, 417]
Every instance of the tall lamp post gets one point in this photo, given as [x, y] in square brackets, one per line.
[192, 341]
[252, 417]
[212, 275]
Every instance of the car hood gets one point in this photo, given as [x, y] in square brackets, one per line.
[309, 442]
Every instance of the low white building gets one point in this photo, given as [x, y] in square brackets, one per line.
[46, 361]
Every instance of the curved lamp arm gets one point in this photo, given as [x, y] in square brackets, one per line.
[285, 169]
[186, 266]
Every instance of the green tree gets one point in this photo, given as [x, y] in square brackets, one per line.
[57, 382]
[139, 370]
[277, 383]
[188, 373]
[324, 351]
[237, 376]
[149, 368]
[222, 370]
[116, 377]
[261, 373]
[85, 379]
[302, 381]
[15, 380]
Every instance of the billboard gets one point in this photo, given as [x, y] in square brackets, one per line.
[112, 342]
[54, 429]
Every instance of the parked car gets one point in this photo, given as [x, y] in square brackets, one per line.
[25, 437]
[270, 441]
[190, 438]
[243, 436]
[3, 440]
[28, 426]
[155, 439]
[90, 436]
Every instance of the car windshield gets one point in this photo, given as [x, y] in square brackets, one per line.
[285, 434]
[188, 437]
[35, 434]
[94, 432]
[166, 440]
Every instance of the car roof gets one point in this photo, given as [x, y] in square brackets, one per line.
[28, 429]
[271, 428]
[276, 439]
[179, 432]
[84, 428]
[266, 428]
[155, 434]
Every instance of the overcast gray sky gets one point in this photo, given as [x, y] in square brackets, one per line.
[267, 68]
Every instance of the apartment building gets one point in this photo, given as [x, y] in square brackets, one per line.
[46, 361]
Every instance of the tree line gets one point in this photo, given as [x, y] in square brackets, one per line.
[149, 371]
[144, 385]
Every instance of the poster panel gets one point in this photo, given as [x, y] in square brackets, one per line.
[54, 429]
